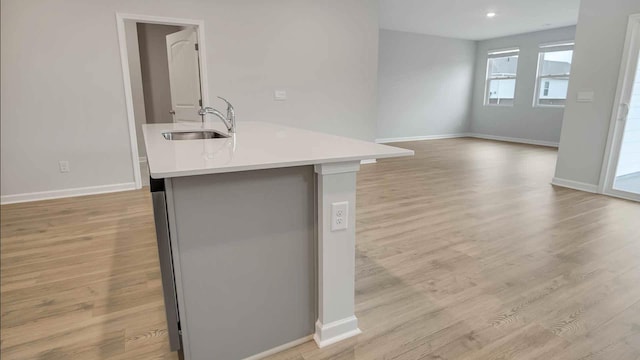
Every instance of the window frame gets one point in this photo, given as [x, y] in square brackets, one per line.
[496, 54]
[542, 50]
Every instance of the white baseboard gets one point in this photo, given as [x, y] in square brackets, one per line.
[576, 185]
[515, 140]
[419, 138]
[623, 195]
[473, 135]
[331, 333]
[368, 161]
[280, 348]
[57, 194]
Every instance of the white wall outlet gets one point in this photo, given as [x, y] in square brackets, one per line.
[280, 95]
[64, 166]
[339, 216]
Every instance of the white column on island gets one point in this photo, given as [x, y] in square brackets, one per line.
[336, 255]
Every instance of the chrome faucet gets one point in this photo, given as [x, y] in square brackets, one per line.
[229, 120]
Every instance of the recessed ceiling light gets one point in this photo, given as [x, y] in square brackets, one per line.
[491, 14]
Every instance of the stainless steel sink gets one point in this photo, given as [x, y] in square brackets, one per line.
[193, 135]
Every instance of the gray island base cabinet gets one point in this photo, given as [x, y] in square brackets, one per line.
[252, 256]
[246, 248]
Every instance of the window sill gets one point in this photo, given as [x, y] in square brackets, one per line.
[498, 105]
[549, 106]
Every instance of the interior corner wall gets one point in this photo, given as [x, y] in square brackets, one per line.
[522, 120]
[425, 85]
[600, 39]
[324, 53]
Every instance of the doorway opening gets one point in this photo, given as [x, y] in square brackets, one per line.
[621, 171]
[163, 62]
[627, 176]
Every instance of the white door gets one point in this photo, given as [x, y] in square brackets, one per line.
[184, 75]
[622, 172]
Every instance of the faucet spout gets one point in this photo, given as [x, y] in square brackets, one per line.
[229, 120]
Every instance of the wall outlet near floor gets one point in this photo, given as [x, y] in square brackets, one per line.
[64, 166]
[280, 95]
[339, 216]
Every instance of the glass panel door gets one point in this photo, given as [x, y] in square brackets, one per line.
[627, 175]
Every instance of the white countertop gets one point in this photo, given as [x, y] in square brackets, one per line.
[256, 145]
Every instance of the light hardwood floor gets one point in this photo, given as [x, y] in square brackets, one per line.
[463, 252]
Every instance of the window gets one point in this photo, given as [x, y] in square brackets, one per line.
[554, 67]
[502, 67]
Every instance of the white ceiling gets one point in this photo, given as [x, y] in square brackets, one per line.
[467, 19]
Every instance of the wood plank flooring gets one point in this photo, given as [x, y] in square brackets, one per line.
[463, 252]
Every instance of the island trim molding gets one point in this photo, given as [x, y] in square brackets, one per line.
[336, 182]
[337, 168]
[327, 334]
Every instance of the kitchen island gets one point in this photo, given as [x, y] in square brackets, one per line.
[256, 236]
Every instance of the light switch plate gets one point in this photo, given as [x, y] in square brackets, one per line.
[280, 95]
[585, 96]
[339, 216]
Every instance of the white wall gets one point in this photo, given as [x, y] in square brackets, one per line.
[597, 57]
[522, 120]
[324, 53]
[425, 85]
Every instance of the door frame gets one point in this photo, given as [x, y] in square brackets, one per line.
[126, 75]
[616, 128]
